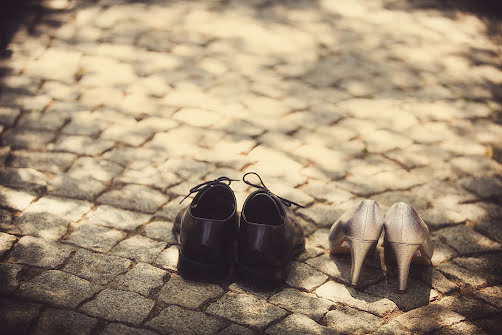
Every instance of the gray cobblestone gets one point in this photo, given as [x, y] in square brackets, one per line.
[301, 302]
[95, 237]
[134, 197]
[58, 288]
[97, 268]
[16, 316]
[118, 305]
[129, 105]
[142, 278]
[139, 248]
[246, 309]
[41, 252]
[188, 293]
[55, 321]
[179, 320]
[8, 277]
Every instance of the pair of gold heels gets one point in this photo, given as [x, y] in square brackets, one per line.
[361, 227]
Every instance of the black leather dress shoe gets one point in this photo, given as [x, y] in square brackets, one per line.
[269, 238]
[206, 231]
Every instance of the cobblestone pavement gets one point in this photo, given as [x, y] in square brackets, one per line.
[111, 110]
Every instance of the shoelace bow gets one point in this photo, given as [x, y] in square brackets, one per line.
[286, 202]
[199, 187]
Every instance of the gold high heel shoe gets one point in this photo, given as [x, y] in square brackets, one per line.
[360, 228]
[409, 238]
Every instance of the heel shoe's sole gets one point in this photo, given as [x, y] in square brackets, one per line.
[193, 270]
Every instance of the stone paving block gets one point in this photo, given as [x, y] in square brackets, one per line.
[139, 248]
[85, 123]
[6, 242]
[485, 187]
[48, 120]
[58, 288]
[322, 215]
[99, 169]
[26, 179]
[486, 264]
[56, 321]
[179, 320]
[117, 218]
[463, 276]
[8, 277]
[55, 162]
[171, 209]
[466, 241]
[118, 305]
[168, 259]
[145, 174]
[460, 328]
[95, 237]
[82, 188]
[189, 294]
[469, 307]
[8, 115]
[97, 268]
[246, 309]
[436, 315]
[134, 197]
[493, 295]
[126, 155]
[40, 252]
[442, 251]
[16, 316]
[310, 252]
[489, 228]
[339, 267]
[347, 320]
[60, 91]
[475, 165]
[55, 64]
[142, 278]
[14, 199]
[120, 329]
[49, 217]
[160, 230]
[340, 293]
[304, 276]
[81, 145]
[235, 329]
[318, 239]
[298, 324]
[418, 294]
[27, 139]
[302, 303]
[327, 191]
[393, 328]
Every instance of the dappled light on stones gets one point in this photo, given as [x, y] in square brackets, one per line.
[111, 110]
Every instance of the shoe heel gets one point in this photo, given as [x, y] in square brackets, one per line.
[190, 269]
[404, 254]
[359, 249]
[262, 277]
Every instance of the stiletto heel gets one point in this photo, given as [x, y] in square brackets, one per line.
[409, 238]
[359, 249]
[360, 228]
[404, 253]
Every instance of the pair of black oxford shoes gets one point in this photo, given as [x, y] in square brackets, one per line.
[214, 242]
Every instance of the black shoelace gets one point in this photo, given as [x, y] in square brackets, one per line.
[286, 202]
[199, 187]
